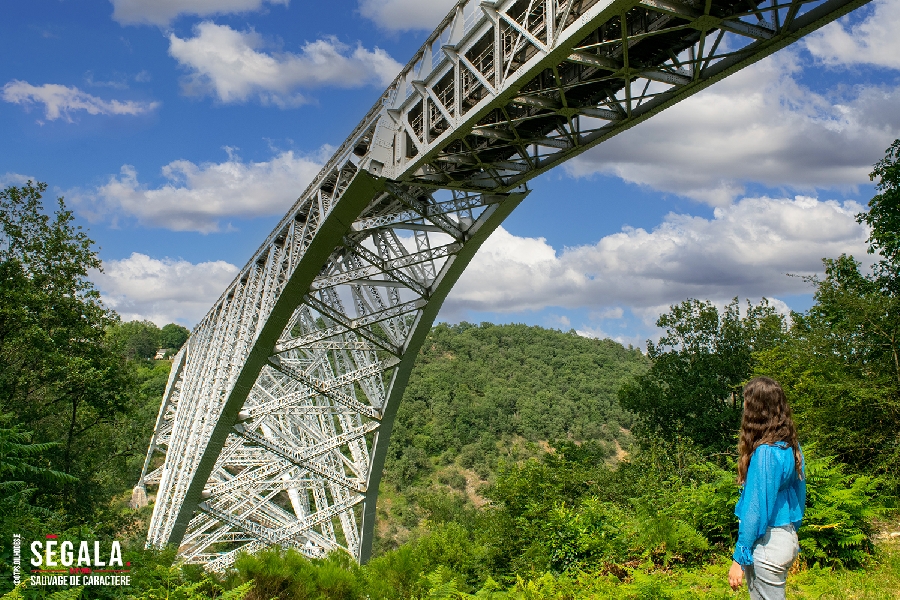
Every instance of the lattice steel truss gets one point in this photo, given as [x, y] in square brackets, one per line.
[277, 414]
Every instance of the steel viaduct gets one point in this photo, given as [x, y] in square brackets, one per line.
[278, 411]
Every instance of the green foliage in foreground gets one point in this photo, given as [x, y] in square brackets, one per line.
[565, 526]
[837, 527]
[328, 579]
[560, 515]
[880, 581]
[16, 454]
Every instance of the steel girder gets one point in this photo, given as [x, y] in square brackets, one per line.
[276, 418]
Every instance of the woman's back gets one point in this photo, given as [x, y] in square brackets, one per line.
[773, 495]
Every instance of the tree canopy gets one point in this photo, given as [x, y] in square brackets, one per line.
[476, 384]
[140, 340]
[57, 374]
[693, 388]
[883, 215]
[173, 336]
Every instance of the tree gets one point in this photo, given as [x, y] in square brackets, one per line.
[57, 376]
[17, 474]
[693, 389]
[839, 369]
[173, 336]
[884, 212]
[135, 339]
[140, 340]
[841, 365]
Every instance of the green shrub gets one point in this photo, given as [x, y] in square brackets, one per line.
[454, 479]
[288, 575]
[395, 574]
[837, 527]
[664, 539]
[450, 545]
[707, 503]
[181, 582]
[594, 533]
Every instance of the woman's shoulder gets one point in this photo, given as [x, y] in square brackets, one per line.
[773, 450]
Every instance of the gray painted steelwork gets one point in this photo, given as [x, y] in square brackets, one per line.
[276, 419]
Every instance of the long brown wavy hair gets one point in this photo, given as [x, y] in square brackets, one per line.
[766, 420]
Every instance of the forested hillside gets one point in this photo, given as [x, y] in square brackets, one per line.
[484, 395]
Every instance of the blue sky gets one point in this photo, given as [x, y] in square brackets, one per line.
[179, 132]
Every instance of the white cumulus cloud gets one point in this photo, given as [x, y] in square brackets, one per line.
[233, 66]
[162, 290]
[198, 197]
[401, 15]
[615, 312]
[9, 178]
[61, 101]
[873, 41]
[161, 12]
[747, 250]
[758, 125]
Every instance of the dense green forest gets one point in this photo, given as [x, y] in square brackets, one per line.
[525, 462]
[484, 396]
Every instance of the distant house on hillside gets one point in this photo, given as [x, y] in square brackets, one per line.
[160, 354]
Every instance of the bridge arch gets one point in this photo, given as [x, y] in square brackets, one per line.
[277, 414]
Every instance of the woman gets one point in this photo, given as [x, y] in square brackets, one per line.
[773, 497]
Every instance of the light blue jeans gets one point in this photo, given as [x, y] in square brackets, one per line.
[773, 555]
